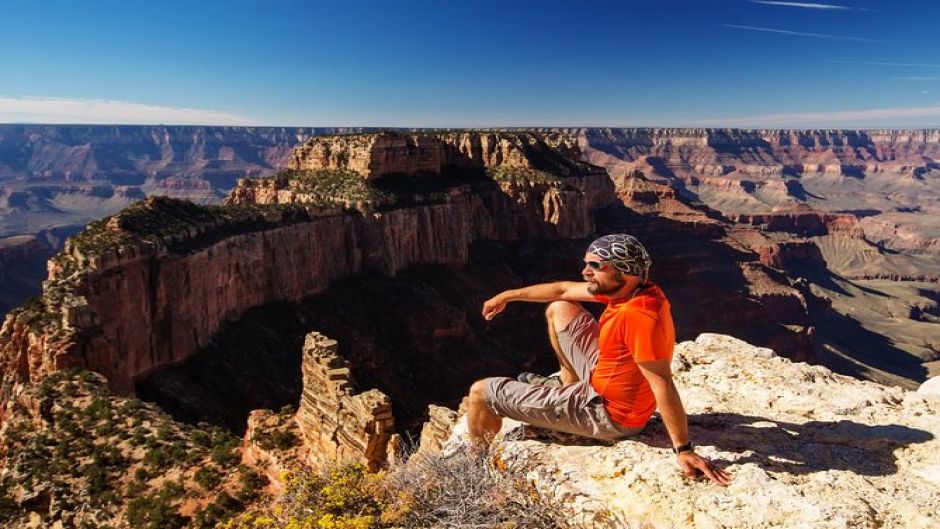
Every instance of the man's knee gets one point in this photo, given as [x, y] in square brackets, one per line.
[561, 312]
[478, 392]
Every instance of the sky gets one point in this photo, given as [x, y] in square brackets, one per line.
[457, 63]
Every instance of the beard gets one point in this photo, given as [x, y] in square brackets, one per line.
[598, 288]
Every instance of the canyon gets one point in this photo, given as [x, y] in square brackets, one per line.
[349, 284]
[863, 198]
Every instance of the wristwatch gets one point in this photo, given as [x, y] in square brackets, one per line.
[687, 447]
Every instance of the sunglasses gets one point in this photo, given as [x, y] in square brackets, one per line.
[596, 265]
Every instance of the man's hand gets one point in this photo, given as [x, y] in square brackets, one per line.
[694, 465]
[493, 306]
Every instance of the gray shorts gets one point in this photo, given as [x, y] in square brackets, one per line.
[574, 408]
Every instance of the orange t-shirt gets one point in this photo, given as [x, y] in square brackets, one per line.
[638, 329]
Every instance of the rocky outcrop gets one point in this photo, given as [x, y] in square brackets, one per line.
[805, 448]
[274, 457]
[436, 430]
[151, 286]
[805, 222]
[338, 422]
[375, 155]
[785, 255]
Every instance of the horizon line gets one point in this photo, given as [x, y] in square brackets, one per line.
[379, 128]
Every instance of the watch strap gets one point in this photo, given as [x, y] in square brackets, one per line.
[687, 447]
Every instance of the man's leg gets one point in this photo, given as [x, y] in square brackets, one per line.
[559, 314]
[482, 423]
[572, 408]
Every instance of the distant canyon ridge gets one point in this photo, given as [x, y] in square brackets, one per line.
[847, 220]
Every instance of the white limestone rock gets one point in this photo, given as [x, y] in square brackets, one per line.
[806, 448]
[930, 387]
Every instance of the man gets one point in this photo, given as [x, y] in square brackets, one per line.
[614, 372]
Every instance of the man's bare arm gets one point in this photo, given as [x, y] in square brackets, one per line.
[541, 293]
[659, 376]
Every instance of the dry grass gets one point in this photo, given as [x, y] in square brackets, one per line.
[463, 490]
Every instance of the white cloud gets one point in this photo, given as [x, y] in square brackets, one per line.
[824, 119]
[904, 64]
[798, 33]
[29, 109]
[802, 4]
[813, 5]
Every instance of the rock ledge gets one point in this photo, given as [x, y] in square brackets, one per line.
[807, 448]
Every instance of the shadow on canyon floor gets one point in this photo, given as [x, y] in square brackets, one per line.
[779, 446]
[846, 347]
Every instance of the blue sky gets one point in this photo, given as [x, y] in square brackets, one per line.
[454, 63]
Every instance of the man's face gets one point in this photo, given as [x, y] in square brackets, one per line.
[602, 277]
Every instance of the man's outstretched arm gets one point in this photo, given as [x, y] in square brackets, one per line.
[659, 376]
[541, 293]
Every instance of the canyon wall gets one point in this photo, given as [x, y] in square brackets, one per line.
[150, 287]
[773, 152]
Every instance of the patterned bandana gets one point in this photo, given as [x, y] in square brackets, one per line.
[624, 252]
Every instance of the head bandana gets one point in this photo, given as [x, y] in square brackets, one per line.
[624, 252]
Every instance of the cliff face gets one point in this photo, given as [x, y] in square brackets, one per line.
[151, 286]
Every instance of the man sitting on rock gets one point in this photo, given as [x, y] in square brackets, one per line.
[613, 373]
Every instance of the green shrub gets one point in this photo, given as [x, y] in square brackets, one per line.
[154, 511]
[251, 483]
[222, 508]
[276, 439]
[208, 478]
[201, 438]
[224, 456]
